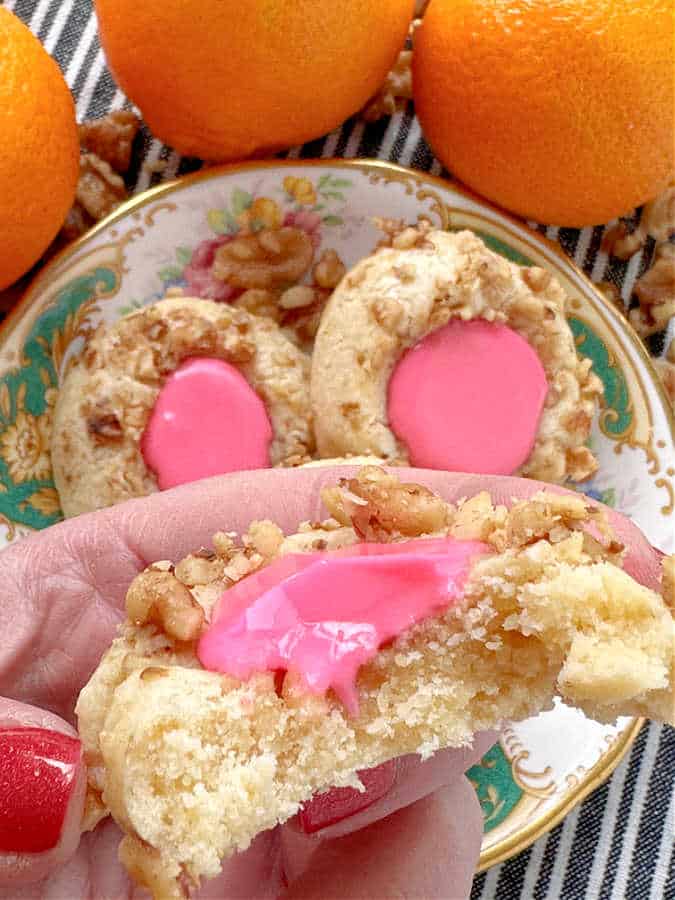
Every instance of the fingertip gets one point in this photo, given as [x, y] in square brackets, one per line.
[41, 816]
[416, 852]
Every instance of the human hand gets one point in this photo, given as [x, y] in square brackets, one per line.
[63, 594]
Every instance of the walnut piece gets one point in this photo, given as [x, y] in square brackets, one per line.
[105, 427]
[537, 279]
[402, 236]
[394, 93]
[111, 137]
[265, 538]
[106, 146]
[270, 258]
[552, 517]
[657, 222]
[397, 88]
[655, 291]
[297, 297]
[260, 302]
[100, 189]
[380, 507]
[329, 270]
[199, 568]
[159, 597]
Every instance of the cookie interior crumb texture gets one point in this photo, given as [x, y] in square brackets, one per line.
[393, 299]
[108, 394]
[193, 764]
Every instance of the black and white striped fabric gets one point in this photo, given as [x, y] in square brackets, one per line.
[619, 843]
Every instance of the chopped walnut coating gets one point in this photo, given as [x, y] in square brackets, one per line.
[553, 516]
[402, 236]
[159, 597]
[200, 568]
[380, 506]
[104, 426]
[265, 538]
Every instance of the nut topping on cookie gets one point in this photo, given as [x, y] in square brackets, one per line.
[159, 597]
[420, 287]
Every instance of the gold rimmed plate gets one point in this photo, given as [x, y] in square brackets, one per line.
[165, 239]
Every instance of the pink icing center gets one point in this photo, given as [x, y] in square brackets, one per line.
[207, 420]
[323, 615]
[468, 398]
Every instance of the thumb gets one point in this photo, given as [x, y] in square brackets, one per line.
[429, 849]
[42, 790]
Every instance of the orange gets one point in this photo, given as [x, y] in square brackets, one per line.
[39, 149]
[560, 110]
[225, 80]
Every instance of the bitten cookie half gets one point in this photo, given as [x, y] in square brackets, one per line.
[401, 296]
[193, 763]
[108, 396]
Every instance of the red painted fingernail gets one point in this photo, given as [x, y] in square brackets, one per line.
[340, 803]
[37, 776]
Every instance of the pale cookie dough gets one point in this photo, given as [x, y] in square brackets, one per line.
[106, 398]
[342, 461]
[193, 764]
[390, 301]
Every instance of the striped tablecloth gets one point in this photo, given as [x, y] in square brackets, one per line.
[619, 842]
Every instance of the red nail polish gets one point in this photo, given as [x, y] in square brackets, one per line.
[37, 776]
[340, 803]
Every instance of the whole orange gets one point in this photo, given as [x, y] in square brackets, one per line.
[225, 80]
[560, 110]
[39, 149]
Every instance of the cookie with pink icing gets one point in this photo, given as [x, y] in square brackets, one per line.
[175, 392]
[435, 351]
[248, 680]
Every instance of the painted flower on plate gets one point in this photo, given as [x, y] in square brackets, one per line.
[198, 275]
[24, 446]
[300, 189]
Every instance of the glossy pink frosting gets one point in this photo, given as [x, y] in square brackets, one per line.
[323, 615]
[207, 420]
[468, 398]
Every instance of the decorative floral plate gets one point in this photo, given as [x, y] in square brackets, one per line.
[168, 237]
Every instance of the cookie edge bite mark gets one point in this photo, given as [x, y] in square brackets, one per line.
[541, 588]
